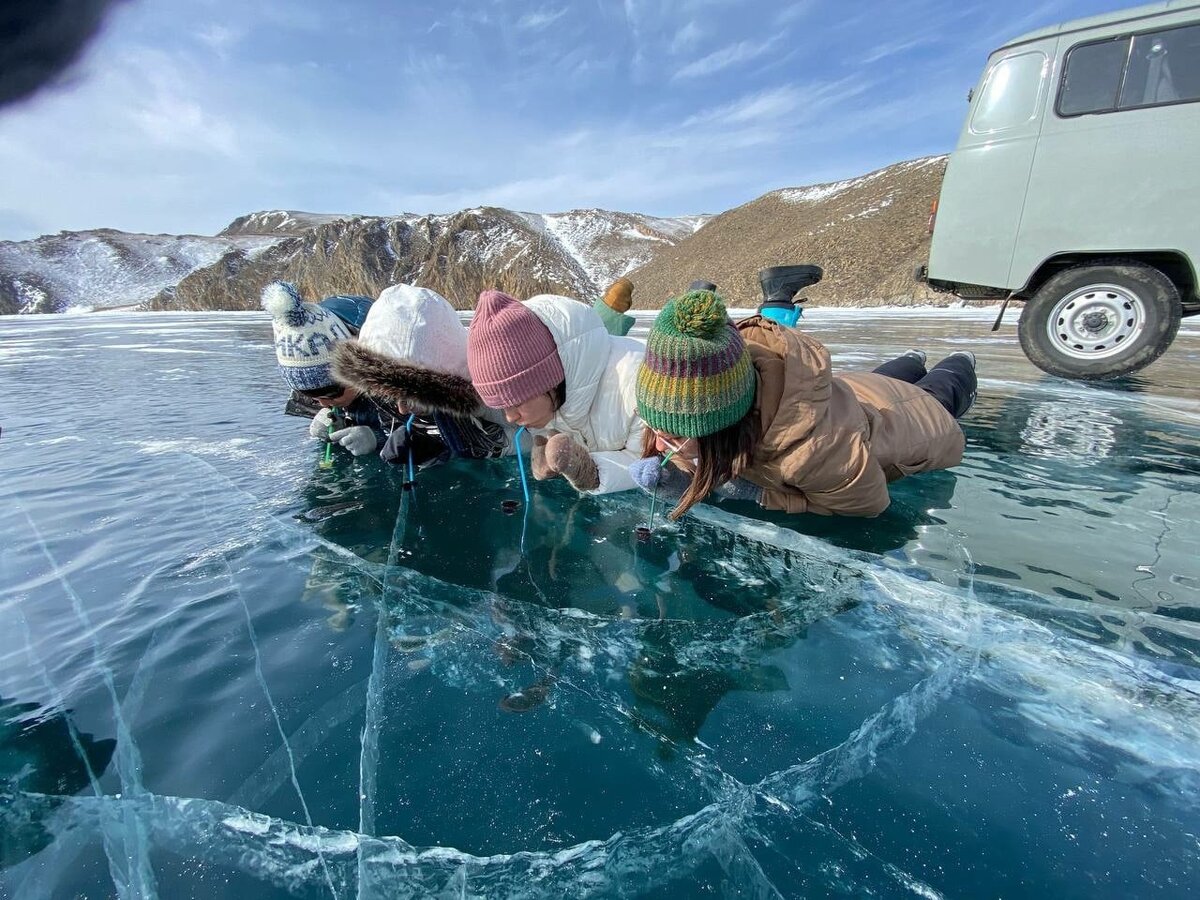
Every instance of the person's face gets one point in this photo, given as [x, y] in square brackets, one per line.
[534, 413]
[686, 450]
[344, 399]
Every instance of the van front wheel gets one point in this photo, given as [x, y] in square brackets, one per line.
[1100, 320]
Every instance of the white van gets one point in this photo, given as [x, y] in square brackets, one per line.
[1075, 187]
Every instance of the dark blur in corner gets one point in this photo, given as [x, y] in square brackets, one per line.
[40, 39]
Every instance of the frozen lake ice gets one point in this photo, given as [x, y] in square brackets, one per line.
[226, 673]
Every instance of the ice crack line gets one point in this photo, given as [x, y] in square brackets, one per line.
[262, 681]
[787, 792]
[129, 864]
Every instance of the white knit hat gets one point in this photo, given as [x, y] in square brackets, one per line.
[417, 327]
[305, 335]
[411, 350]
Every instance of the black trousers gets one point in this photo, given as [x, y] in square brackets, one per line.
[951, 382]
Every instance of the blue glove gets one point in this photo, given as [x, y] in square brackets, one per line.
[648, 472]
[740, 489]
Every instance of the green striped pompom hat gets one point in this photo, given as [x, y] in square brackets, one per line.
[696, 378]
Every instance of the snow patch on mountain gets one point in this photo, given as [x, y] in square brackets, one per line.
[281, 222]
[816, 193]
[104, 268]
[606, 245]
[819, 192]
[578, 253]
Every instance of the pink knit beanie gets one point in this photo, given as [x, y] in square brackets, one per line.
[510, 353]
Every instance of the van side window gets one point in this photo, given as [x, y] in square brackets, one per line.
[1010, 93]
[1164, 67]
[1092, 77]
[1132, 72]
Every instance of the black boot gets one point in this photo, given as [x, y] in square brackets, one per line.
[702, 285]
[781, 283]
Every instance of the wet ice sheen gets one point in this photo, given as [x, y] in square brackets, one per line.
[990, 690]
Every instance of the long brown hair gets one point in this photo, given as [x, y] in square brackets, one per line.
[723, 457]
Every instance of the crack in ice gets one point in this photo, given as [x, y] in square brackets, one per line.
[131, 871]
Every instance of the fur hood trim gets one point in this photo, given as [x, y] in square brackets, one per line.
[356, 365]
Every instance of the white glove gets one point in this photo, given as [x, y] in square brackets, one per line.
[319, 427]
[358, 439]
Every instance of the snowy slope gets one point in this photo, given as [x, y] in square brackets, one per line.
[818, 193]
[607, 245]
[104, 268]
[578, 253]
[281, 222]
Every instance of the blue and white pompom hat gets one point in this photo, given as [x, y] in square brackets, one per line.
[305, 335]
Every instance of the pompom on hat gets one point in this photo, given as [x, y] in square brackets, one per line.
[697, 377]
[511, 354]
[305, 335]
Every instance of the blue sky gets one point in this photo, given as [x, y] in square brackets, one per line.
[188, 113]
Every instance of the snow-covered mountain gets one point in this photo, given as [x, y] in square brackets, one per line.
[278, 222]
[83, 270]
[607, 245]
[577, 253]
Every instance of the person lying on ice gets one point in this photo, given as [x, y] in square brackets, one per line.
[305, 337]
[754, 412]
[412, 354]
[551, 366]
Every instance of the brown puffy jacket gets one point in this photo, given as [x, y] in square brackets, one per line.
[831, 444]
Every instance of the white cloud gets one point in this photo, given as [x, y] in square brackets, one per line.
[541, 19]
[752, 108]
[793, 12]
[635, 34]
[777, 105]
[219, 38]
[731, 55]
[892, 48]
[174, 121]
[686, 38]
[167, 107]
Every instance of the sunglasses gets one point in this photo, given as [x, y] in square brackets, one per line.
[323, 393]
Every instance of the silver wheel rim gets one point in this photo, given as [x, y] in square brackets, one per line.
[1096, 322]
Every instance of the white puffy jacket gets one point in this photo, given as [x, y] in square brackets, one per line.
[600, 371]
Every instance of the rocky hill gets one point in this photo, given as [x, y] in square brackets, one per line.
[104, 268]
[277, 223]
[577, 253]
[867, 233]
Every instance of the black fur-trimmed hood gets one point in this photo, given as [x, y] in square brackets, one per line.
[384, 378]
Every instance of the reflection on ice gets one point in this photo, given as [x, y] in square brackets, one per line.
[1056, 429]
[45, 753]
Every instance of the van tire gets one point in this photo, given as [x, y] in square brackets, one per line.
[1111, 317]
